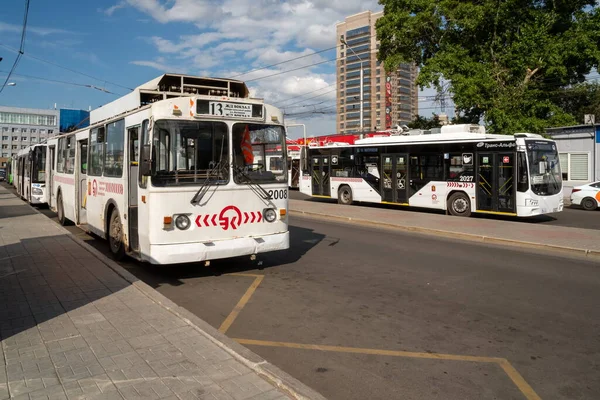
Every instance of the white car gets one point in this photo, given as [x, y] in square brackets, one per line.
[587, 196]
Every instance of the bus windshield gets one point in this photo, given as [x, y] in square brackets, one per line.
[259, 153]
[544, 167]
[39, 165]
[190, 152]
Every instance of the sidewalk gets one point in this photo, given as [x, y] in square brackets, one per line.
[74, 325]
[494, 230]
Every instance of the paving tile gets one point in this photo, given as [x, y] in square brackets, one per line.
[246, 386]
[225, 370]
[50, 393]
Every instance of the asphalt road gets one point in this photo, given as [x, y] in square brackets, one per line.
[571, 216]
[419, 298]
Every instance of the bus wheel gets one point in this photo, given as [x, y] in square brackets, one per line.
[115, 235]
[60, 210]
[459, 205]
[345, 195]
[589, 204]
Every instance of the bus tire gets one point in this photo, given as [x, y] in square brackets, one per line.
[459, 205]
[60, 210]
[115, 235]
[345, 195]
[589, 204]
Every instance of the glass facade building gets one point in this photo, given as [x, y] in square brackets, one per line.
[388, 99]
[73, 119]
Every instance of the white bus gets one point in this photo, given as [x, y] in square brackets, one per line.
[461, 170]
[29, 174]
[177, 171]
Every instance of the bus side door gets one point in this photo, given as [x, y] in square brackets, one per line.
[496, 189]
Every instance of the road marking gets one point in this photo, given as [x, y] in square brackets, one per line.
[518, 380]
[506, 366]
[242, 303]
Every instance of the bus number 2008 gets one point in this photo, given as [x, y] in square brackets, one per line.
[278, 194]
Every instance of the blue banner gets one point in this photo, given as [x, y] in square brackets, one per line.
[597, 133]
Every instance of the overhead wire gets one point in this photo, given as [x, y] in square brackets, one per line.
[67, 68]
[21, 47]
[63, 82]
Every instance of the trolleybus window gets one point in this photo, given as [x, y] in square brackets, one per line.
[115, 147]
[187, 152]
[39, 166]
[259, 153]
[96, 153]
[544, 167]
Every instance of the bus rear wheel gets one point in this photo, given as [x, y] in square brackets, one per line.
[115, 236]
[345, 195]
[459, 205]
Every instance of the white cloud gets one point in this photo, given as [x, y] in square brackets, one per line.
[110, 11]
[237, 36]
[161, 66]
[4, 27]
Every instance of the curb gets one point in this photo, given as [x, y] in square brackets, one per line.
[593, 254]
[282, 380]
[269, 372]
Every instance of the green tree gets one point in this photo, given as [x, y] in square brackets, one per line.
[504, 59]
[580, 100]
[420, 122]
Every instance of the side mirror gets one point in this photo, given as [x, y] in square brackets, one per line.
[146, 161]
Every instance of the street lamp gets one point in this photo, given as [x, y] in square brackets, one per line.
[361, 81]
[11, 84]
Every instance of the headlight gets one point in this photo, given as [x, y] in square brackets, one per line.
[269, 214]
[37, 191]
[182, 222]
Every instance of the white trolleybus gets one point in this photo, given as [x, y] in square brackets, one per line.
[29, 174]
[461, 170]
[177, 171]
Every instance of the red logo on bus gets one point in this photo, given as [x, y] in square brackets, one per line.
[95, 188]
[506, 159]
[230, 217]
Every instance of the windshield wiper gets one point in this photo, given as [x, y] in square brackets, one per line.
[206, 184]
[256, 187]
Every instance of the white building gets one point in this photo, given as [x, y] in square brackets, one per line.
[579, 149]
[20, 127]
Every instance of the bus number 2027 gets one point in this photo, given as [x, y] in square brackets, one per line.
[278, 194]
[466, 178]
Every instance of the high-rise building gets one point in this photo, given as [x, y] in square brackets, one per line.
[388, 99]
[73, 119]
[21, 127]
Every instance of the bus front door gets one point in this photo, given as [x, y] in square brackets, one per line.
[496, 182]
[320, 176]
[132, 178]
[50, 176]
[82, 188]
[394, 182]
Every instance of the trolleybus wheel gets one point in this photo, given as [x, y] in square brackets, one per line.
[60, 210]
[589, 204]
[115, 235]
[345, 195]
[459, 205]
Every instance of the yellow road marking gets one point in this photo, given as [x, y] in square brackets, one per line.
[519, 381]
[242, 303]
[512, 373]
[379, 352]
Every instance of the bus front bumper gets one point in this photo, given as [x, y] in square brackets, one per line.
[206, 251]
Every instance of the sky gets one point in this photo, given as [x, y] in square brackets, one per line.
[116, 45]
